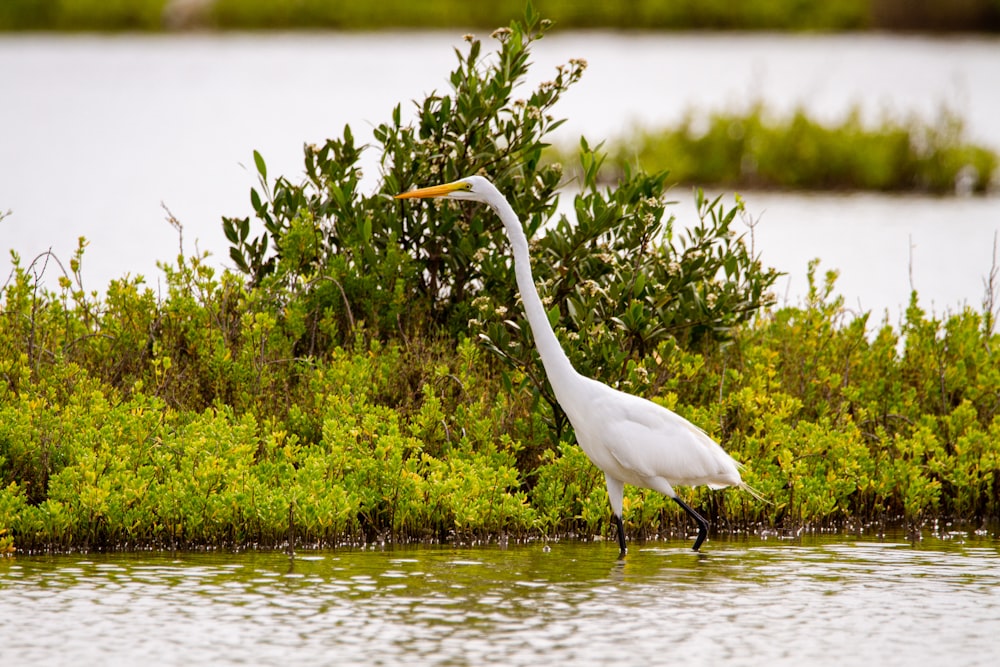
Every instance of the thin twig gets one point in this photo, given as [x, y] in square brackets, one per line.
[991, 298]
[176, 224]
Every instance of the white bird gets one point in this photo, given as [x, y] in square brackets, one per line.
[632, 440]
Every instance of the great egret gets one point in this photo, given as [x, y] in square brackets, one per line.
[632, 440]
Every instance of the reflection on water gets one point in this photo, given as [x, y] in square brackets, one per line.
[816, 601]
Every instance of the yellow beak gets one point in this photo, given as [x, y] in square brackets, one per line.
[433, 191]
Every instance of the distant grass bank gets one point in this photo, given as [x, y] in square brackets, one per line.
[154, 15]
[755, 149]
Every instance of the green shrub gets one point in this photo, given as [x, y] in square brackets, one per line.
[335, 391]
[450, 264]
[753, 149]
[340, 253]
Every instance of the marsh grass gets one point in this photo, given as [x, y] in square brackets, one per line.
[758, 150]
[344, 15]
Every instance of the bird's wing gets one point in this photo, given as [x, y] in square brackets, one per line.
[649, 441]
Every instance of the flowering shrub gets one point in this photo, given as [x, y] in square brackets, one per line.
[622, 282]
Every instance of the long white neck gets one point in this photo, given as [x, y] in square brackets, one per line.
[557, 365]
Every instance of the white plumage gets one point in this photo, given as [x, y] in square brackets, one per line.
[631, 439]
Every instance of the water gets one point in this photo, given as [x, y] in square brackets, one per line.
[97, 131]
[816, 601]
[882, 247]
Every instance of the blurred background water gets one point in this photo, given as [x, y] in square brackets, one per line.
[97, 131]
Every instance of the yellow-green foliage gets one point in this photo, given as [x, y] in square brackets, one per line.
[837, 423]
[130, 421]
[335, 391]
[90, 467]
[875, 425]
[234, 444]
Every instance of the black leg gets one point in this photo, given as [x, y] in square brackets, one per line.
[621, 534]
[698, 519]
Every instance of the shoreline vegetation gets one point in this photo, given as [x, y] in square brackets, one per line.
[752, 149]
[756, 150]
[365, 375]
[158, 15]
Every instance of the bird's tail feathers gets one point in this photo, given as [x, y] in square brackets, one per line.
[754, 492]
[749, 489]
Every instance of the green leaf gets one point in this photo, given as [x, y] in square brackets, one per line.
[261, 167]
[239, 260]
[229, 229]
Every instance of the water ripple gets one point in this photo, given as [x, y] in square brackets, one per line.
[825, 602]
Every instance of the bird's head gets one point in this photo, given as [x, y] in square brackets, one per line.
[471, 188]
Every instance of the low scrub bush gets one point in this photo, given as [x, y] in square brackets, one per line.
[366, 374]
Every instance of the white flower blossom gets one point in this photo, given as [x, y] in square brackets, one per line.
[590, 288]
